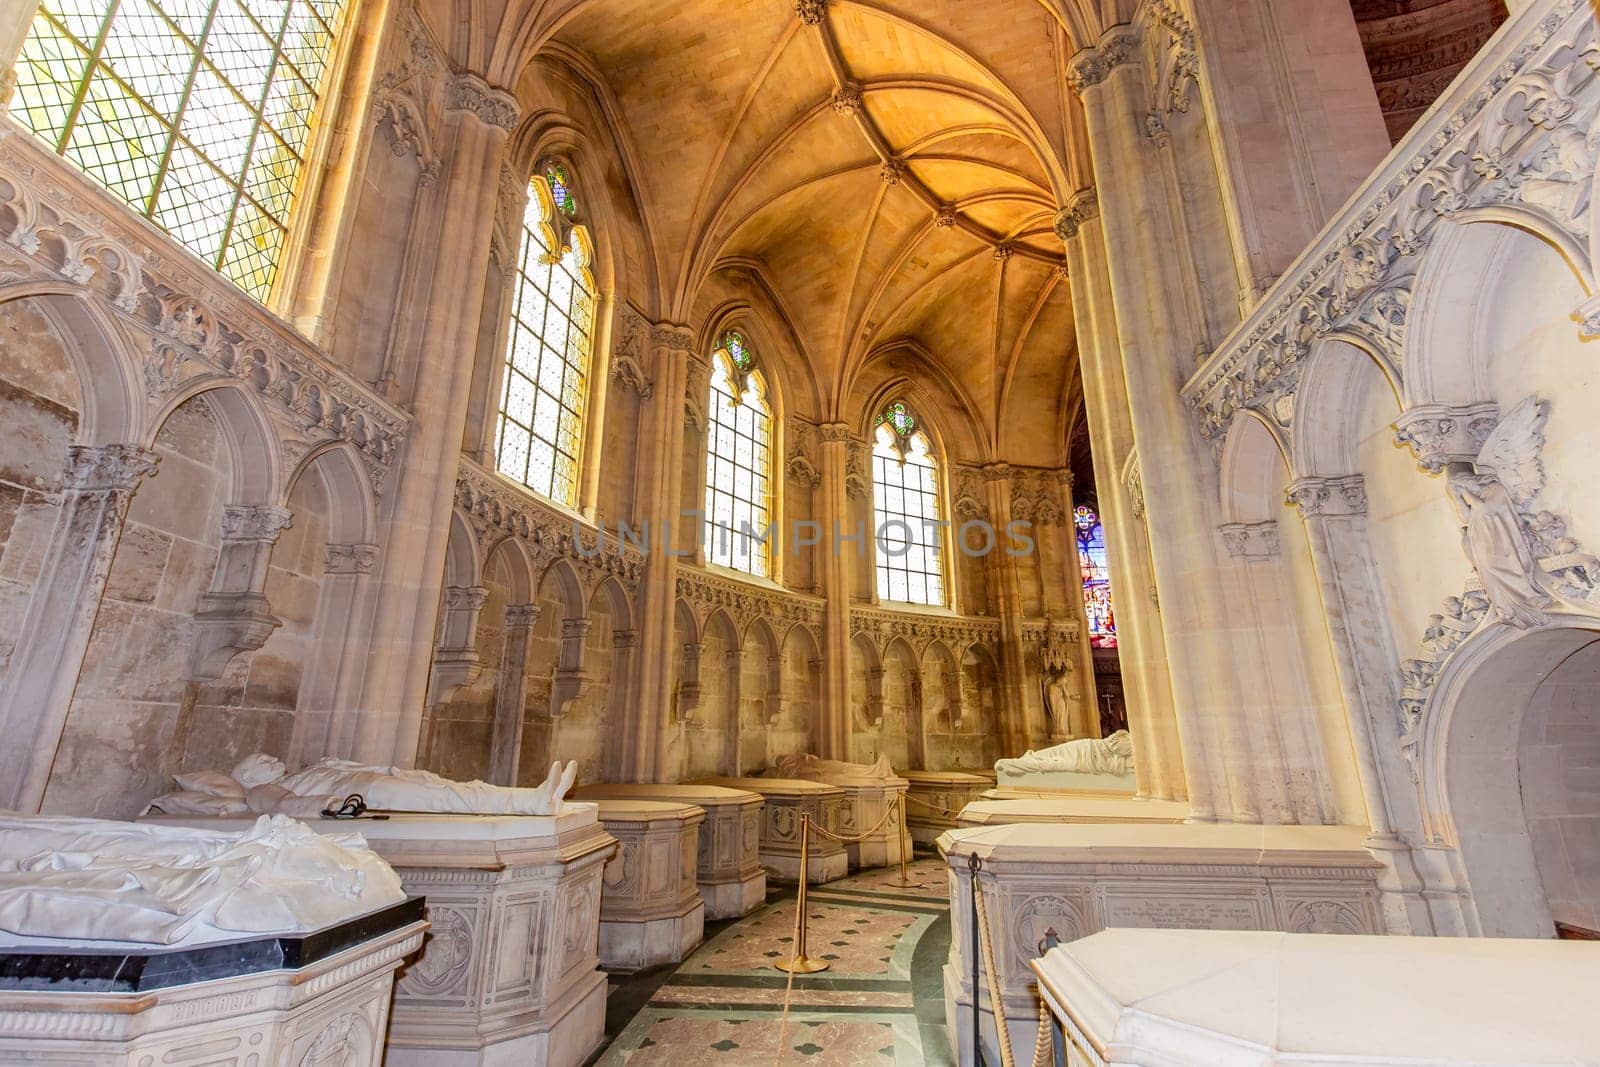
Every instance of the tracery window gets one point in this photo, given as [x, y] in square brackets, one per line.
[738, 463]
[198, 113]
[540, 429]
[1096, 578]
[905, 510]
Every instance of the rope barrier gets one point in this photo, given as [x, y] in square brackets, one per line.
[1043, 1042]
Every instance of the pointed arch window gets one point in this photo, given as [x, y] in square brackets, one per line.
[905, 510]
[539, 433]
[1096, 578]
[738, 460]
[197, 113]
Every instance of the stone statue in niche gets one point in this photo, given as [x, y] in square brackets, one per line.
[1087, 755]
[1055, 682]
[1491, 494]
[260, 783]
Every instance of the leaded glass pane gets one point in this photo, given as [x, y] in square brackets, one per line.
[736, 503]
[547, 356]
[1096, 574]
[905, 509]
[195, 112]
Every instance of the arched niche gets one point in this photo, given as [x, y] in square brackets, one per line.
[866, 699]
[942, 710]
[901, 736]
[1291, 759]
[795, 728]
[1511, 778]
[135, 717]
[980, 702]
[53, 334]
[761, 694]
[711, 743]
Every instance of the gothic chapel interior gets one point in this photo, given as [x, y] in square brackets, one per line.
[695, 390]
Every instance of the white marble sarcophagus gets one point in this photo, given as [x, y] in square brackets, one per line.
[1070, 808]
[728, 863]
[650, 908]
[1068, 881]
[1208, 996]
[786, 800]
[510, 969]
[130, 945]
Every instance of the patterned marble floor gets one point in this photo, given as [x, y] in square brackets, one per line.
[881, 1000]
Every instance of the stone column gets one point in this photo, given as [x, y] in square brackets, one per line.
[1335, 511]
[1141, 646]
[1022, 728]
[1255, 744]
[623, 698]
[831, 740]
[433, 352]
[1160, 339]
[511, 695]
[100, 482]
[456, 661]
[733, 693]
[690, 691]
[233, 616]
[649, 754]
[324, 720]
[15, 20]
[571, 679]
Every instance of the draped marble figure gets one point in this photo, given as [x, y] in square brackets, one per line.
[1087, 755]
[95, 879]
[805, 766]
[260, 783]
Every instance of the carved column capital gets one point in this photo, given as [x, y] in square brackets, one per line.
[1250, 540]
[834, 432]
[1081, 206]
[673, 336]
[103, 467]
[576, 628]
[254, 522]
[624, 638]
[465, 597]
[493, 107]
[1337, 495]
[1091, 66]
[1440, 434]
[351, 558]
[522, 616]
[996, 472]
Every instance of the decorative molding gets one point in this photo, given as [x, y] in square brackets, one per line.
[1091, 66]
[350, 558]
[108, 468]
[810, 12]
[191, 324]
[1441, 434]
[628, 355]
[1133, 482]
[956, 632]
[846, 100]
[1510, 136]
[1330, 496]
[892, 172]
[801, 463]
[1081, 206]
[1250, 540]
[744, 602]
[492, 106]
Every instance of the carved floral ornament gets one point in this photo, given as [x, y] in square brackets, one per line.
[192, 324]
[497, 509]
[1520, 141]
[745, 602]
[881, 625]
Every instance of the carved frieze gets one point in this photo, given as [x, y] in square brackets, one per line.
[1250, 540]
[1440, 434]
[1514, 140]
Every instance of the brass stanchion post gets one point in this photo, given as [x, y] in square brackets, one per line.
[905, 881]
[800, 963]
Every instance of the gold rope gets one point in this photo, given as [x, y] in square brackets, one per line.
[1042, 1041]
[825, 832]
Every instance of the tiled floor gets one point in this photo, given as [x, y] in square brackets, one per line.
[881, 1001]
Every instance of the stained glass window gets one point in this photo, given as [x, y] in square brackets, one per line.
[196, 112]
[1096, 578]
[547, 358]
[555, 175]
[738, 447]
[905, 511]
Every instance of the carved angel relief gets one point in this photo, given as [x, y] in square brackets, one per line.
[1492, 495]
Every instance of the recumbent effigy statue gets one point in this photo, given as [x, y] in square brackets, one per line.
[1111, 755]
[261, 783]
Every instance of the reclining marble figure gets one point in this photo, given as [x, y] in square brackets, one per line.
[260, 783]
[1087, 755]
[807, 767]
[95, 879]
